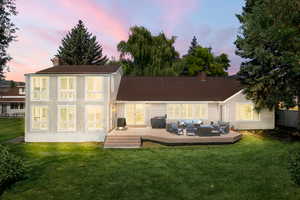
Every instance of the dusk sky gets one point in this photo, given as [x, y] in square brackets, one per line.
[43, 23]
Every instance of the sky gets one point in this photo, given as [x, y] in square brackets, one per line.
[43, 23]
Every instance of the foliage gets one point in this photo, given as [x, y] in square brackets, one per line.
[202, 59]
[7, 32]
[294, 166]
[79, 47]
[270, 44]
[146, 55]
[12, 168]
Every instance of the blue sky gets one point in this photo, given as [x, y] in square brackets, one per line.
[42, 25]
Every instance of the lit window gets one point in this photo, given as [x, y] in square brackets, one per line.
[39, 118]
[66, 88]
[94, 88]
[187, 111]
[39, 88]
[246, 112]
[66, 118]
[94, 117]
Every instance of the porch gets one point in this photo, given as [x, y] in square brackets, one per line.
[133, 138]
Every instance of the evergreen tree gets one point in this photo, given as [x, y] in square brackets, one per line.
[194, 44]
[79, 47]
[7, 32]
[202, 59]
[270, 44]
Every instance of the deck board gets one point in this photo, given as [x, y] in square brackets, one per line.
[162, 136]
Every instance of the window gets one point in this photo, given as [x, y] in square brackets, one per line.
[94, 117]
[14, 106]
[66, 118]
[187, 111]
[246, 112]
[39, 88]
[22, 106]
[39, 118]
[66, 88]
[22, 91]
[94, 88]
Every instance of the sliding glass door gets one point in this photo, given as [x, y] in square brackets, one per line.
[135, 114]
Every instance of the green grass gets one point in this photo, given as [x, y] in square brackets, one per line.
[254, 168]
[11, 128]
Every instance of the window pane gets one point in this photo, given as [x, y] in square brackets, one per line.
[39, 117]
[94, 117]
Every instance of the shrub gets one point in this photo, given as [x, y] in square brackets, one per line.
[12, 168]
[294, 166]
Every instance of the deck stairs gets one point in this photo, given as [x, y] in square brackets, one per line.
[122, 141]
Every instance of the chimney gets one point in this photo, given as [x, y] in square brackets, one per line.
[55, 61]
[202, 76]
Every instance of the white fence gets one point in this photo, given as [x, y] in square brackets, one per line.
[288, 118]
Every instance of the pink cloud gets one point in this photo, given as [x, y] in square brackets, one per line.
[98, 17]
[175, 11]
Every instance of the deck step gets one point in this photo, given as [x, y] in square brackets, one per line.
[122, 141]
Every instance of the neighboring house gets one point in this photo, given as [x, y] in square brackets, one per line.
[82, 103]
[12, 101]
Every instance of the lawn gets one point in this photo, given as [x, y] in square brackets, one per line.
[11, 128]
[254, 168]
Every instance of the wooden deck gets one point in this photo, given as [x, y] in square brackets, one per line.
[162, 136]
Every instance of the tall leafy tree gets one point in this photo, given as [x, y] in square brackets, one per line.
[79, 47]
[202, 59]
[270, 43]
[145, 54]
[7, 32]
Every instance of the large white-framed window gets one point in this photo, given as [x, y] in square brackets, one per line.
[94, 88]
[39, 117]
[187, 111]
[66, 119]
[94, 117]
[246, 112]
[39, 88]
[66, 88]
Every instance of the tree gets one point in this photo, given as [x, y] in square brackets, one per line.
[270, 44]
[79, 47]
[194, 44]
[7, 32]
[146, 55]
[202, 59]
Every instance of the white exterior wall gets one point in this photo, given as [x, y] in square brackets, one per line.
[266, 119]
[160, 109]
[217, 111]
[81, 134]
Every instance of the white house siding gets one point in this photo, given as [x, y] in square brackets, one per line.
[217, 111]
[80, 134]
[266, 121]
[160, 109]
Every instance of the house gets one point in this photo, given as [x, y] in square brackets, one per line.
[12, 101]
[82, 103]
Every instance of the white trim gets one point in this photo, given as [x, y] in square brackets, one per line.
[31, 115]
[67, 90]
[168, 102]
[58, 119]
[239, 92]
[102, 89]
[17, 97]
[32, 90]
[237, 104]
[86, 118]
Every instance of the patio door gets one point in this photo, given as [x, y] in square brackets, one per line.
[135, 114]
